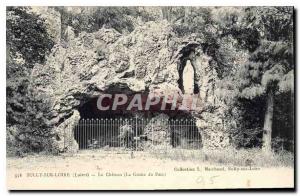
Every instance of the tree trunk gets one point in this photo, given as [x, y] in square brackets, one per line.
[267, 131]
[166, 11]
[186, 13]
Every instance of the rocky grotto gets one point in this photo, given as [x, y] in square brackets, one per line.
[148, 59]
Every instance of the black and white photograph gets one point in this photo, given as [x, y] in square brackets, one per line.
[150, 97]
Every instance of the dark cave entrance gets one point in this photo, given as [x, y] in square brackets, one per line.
[126, 128]
[99, 129]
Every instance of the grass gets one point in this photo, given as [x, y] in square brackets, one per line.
[229, 156]
[225, 157]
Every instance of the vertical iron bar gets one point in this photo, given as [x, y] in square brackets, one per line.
[100, 132]
[191, 134]
[119, 139]
[151, 122]
[136, 129]
[118, 134]
[82, 133]
[104, 131]
[181, 135]
[109, 131]
[87, 133]
[91, 134]
[64, 135]
[97, 133]
[183, 132]
[112, 132]
[78, 134]
[131, 124]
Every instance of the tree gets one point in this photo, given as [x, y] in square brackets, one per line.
[28, 43]
[27, 35]
[269, 70]
[91, 19]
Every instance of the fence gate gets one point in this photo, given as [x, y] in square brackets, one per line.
[136, 134]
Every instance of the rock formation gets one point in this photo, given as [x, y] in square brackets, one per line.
[158, 133]
[146, 60]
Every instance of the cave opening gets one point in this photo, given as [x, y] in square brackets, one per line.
[122, 128]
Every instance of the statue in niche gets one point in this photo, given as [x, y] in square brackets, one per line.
[188, 78]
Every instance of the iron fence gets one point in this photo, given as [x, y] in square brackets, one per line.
[137, 133]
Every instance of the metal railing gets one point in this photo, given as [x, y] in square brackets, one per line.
[137, 133]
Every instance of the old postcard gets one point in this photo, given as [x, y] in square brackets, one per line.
[149, 98]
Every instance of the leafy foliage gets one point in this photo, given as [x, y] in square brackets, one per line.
[270, 64]
[264, 36]
[91, 19]
[28, 43]
[27, 35]
[273, 58]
